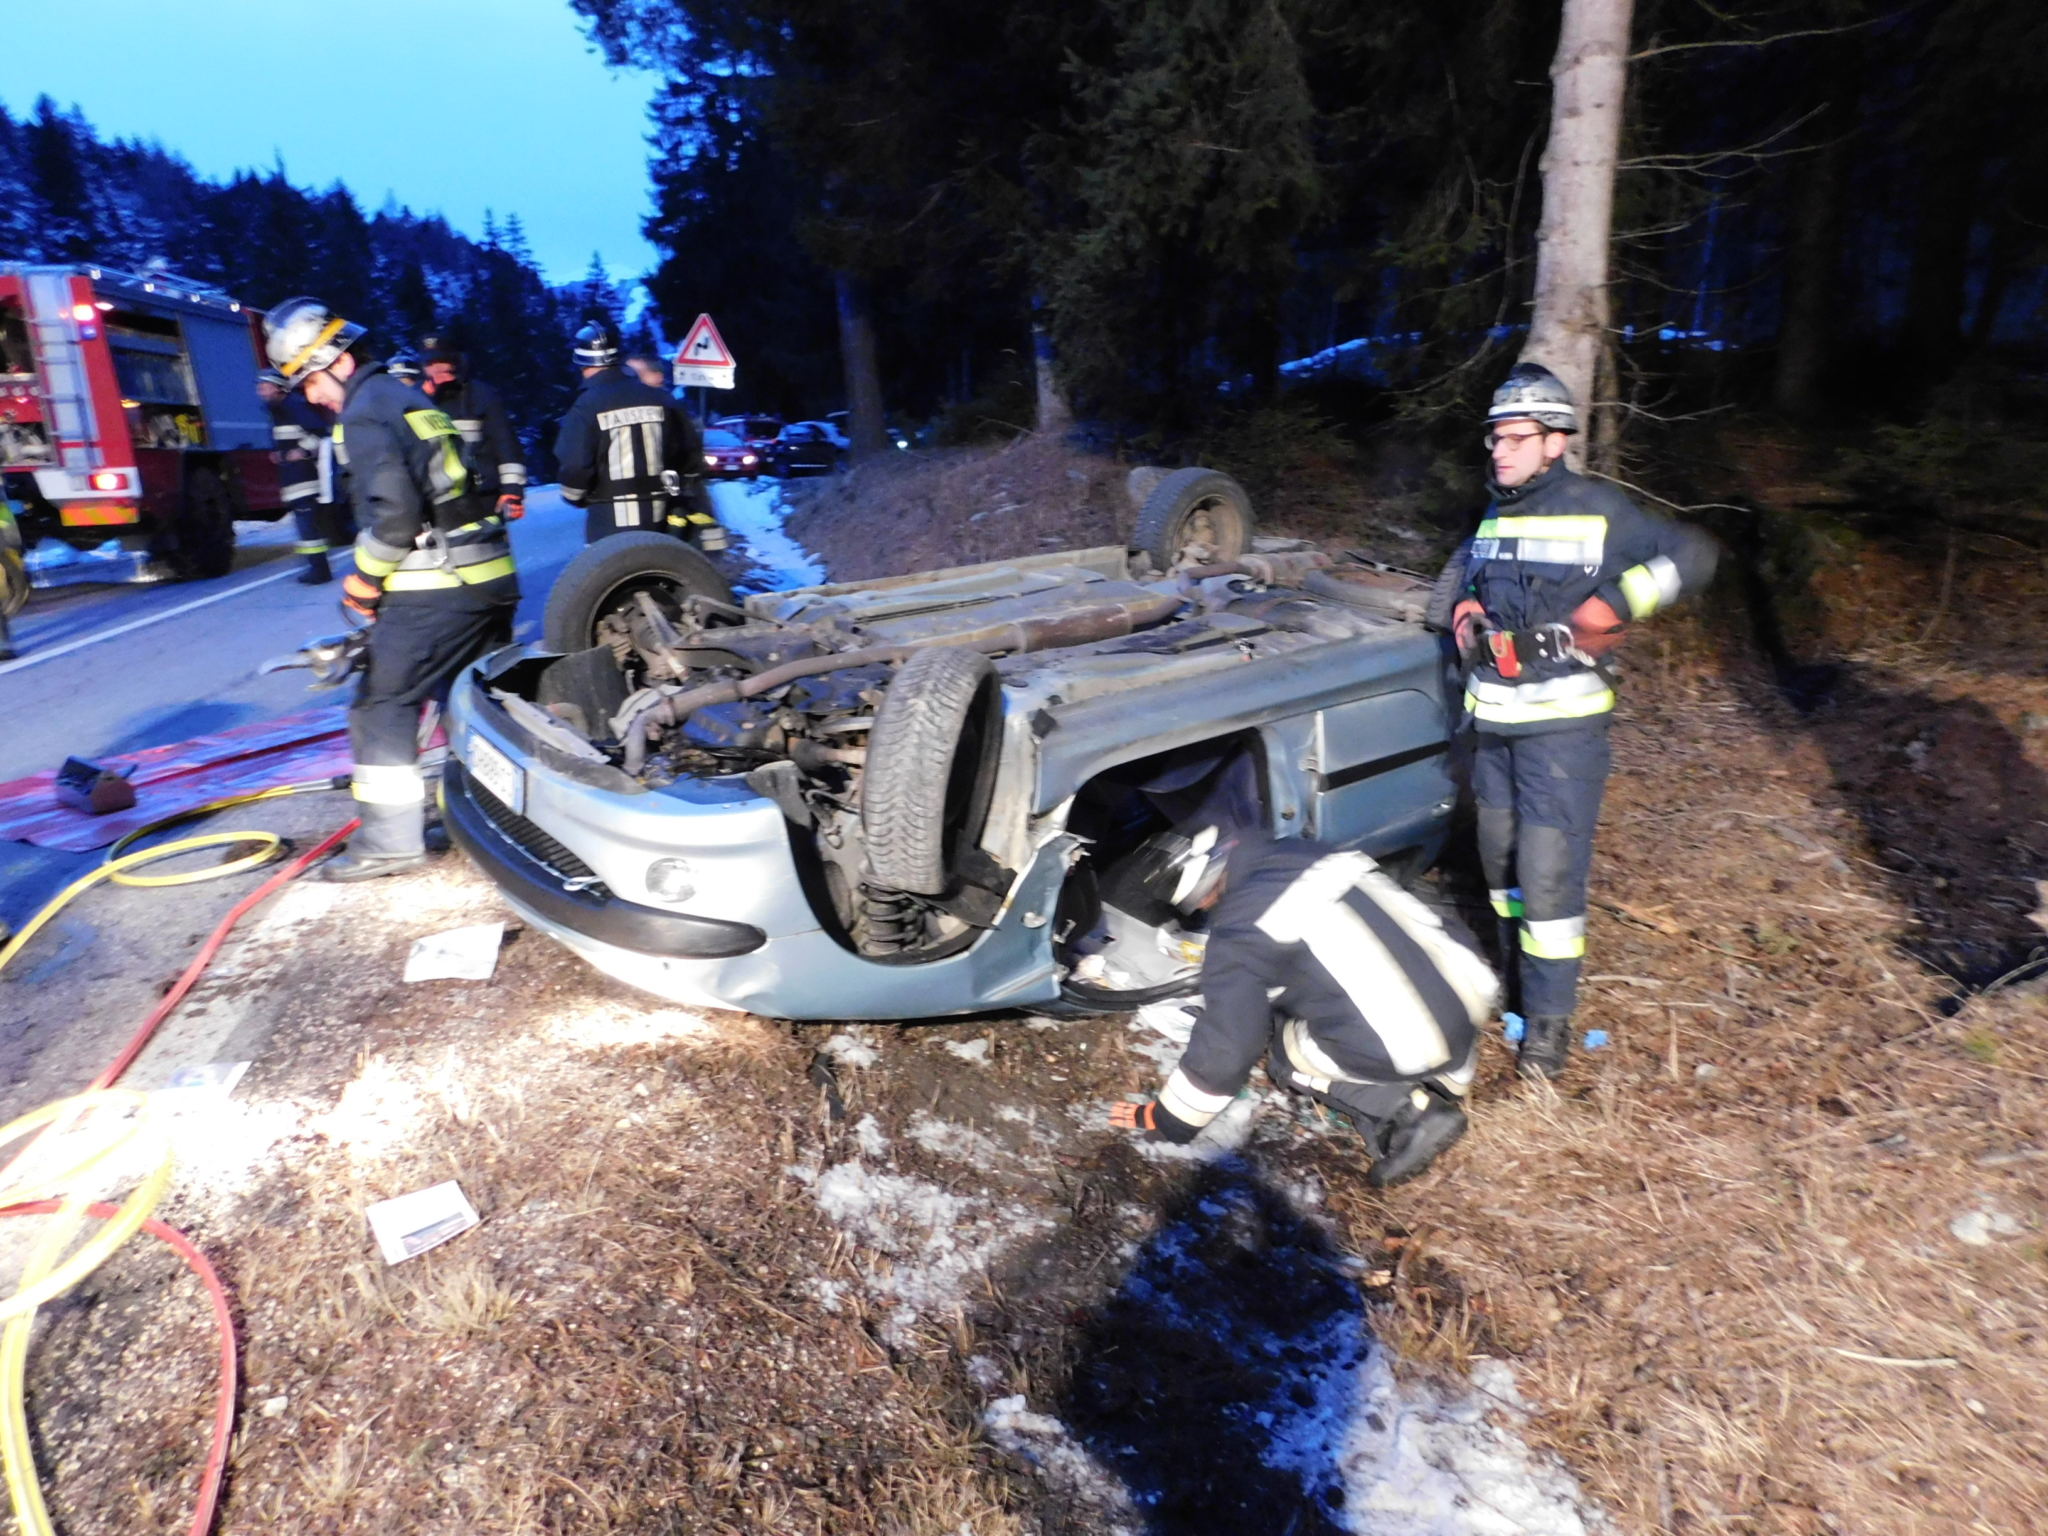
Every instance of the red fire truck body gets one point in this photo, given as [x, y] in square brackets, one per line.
[128, 408]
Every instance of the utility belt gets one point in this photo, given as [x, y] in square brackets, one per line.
[1552, 644]
[464, 556]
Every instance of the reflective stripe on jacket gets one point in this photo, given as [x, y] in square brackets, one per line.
[1542, 550]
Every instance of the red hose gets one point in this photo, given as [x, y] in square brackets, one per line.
[223, 1315]
[224, 1405]
[207, 951]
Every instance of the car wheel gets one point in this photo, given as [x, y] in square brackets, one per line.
[607, 577]
[930, 769]
[1195, 515]
[199, 541]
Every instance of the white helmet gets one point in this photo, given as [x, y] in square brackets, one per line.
[302, 337]
[1531, 392]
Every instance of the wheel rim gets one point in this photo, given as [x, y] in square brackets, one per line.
[1204, 527]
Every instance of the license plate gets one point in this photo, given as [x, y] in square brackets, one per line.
[497, 773]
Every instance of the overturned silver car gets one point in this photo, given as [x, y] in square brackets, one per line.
[911, 797]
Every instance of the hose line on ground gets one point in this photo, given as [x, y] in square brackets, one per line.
[26, 1190]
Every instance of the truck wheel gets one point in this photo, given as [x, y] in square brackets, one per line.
[605, 578]
[930, 769]
[200, 541]
[1196, 514]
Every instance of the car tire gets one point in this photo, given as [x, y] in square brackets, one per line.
[1195, 508]
[604, 577]
[199, 542]
[930, 768]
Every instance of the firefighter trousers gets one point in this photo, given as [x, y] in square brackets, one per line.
[321, 526]
[1297, 1062]
[420, 642]
[1538, 800]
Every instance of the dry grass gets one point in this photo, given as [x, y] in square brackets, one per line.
[1726, 1255]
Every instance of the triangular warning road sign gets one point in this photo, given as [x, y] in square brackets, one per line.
[704, 347]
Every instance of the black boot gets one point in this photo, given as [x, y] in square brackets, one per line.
[1546, 1042]
[317, 572]
[1414, 1139]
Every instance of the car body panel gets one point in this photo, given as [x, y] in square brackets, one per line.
[1349, 710]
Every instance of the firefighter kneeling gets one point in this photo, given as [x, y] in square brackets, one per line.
[434, 569]
[1367, 1001]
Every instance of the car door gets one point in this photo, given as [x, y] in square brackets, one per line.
[1377, 771]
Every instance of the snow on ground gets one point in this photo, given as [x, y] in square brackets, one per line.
[1239, 1342]
[754, 510]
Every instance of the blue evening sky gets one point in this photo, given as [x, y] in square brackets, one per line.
[448, 105]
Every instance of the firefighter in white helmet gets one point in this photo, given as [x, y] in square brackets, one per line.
[434, 569]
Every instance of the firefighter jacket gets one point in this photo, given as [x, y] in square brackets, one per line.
[423, 527]
[299, 431]
[1371, 985]
[617, 441]
[490, 447]
[1543, 549]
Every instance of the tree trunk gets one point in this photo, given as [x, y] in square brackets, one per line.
[1055, 415]
[1932, 335]
[1813, 262]
[1589, 80]
[863, 369]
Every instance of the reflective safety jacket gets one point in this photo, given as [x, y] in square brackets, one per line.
[299, 433]
[489, 445]
[615, 443]
[1373, 985]
[1542, 550]
[423, 527]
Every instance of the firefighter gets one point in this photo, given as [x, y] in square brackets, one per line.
[1362, 998]
[299, 432]
[434, 571]
[491, 447]
[629, 453]
[404, 365]
[1543, 595]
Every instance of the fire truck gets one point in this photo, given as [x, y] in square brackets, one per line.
[128, 410]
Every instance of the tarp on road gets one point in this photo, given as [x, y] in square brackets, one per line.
[288, 750]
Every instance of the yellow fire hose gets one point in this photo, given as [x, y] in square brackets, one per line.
[106, 1124]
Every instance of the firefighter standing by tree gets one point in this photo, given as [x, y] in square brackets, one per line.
[1367, 1000]
[629, 453]
[299, 432]
[434, 569]
[1543, 593]
[490, 445]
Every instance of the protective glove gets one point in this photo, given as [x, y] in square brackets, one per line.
[1468, 632]
[361, 595]
[1150, 1122]
[512, 506]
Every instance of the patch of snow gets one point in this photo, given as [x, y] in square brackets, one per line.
[984, 1372]
[975, 1051]
[934, 1243]
[1042, 1024]
[830, 1293]
[868, 1135]
[1980, 1227]
[755, 512]
[850, 1049]
[1047, 1444]
[962, 1143]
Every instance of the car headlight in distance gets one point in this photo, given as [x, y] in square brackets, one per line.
[747, 458]
[711, 459]
[670, 880]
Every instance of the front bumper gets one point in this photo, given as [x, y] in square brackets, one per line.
[572, 860]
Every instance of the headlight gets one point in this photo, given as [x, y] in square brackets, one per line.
[711, 459]
[670, 880]
[747, 458]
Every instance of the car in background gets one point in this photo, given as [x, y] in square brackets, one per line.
[728, 457]
[757, 432]
[833, 433]
[841, 422]
[802, 448]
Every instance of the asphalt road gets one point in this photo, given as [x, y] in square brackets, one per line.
[110, 669]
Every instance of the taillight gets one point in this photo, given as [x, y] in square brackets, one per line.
[109, 480]
[83, 312]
